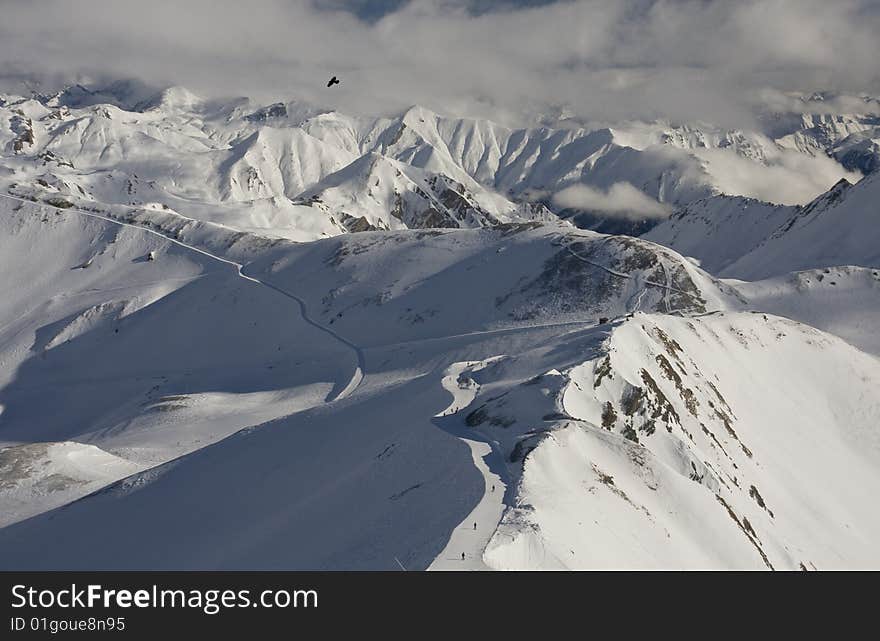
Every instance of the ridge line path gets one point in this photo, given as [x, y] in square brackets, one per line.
[358, 374]
[486, 515]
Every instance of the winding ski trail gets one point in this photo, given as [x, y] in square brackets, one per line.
[464, 550]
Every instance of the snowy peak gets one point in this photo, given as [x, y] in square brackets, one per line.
[281, 152]
[717, 231]
[375, 192]
[839, 228]
[821, 204]
[286, 114]
[275, 163]
[750, 239]
[675, 451]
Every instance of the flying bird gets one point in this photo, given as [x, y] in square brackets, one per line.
[333, 81]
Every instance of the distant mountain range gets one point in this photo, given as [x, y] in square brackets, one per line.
[297, 171]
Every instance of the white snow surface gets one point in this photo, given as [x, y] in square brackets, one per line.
[235, 336]
[750, 240]
[844, 301]
[734, 440]
[297, 171]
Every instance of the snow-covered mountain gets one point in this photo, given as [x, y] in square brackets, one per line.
[852, 139]
[743, 238]
[844, 301]
[705, 442]
[300, 171]
[318, 412]
[247, 336]
[721, 229]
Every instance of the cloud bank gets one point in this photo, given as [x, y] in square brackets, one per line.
[679, 59]
[790, 178]
[622, 200]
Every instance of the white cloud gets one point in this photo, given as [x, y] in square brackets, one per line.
[681, 59]
[788, 178]
[622, 200]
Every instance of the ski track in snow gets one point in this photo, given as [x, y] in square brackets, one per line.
[471, 536]
[358, 374]
[668, 287]
[636, 298]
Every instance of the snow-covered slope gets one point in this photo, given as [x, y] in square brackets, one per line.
[719, 230]
[40, 476]
[656, 440]
[375, 192]
[331, 471]
[444, 375]
[141, 345]
[844, 301]
[838, 228]
[303, 172]
[726, 441]
[436, 283]
[748, 239]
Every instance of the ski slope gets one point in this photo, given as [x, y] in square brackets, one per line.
[464, 551]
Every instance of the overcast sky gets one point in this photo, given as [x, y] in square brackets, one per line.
[509, 60]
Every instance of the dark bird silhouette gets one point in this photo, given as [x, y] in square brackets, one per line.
[333, 81]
